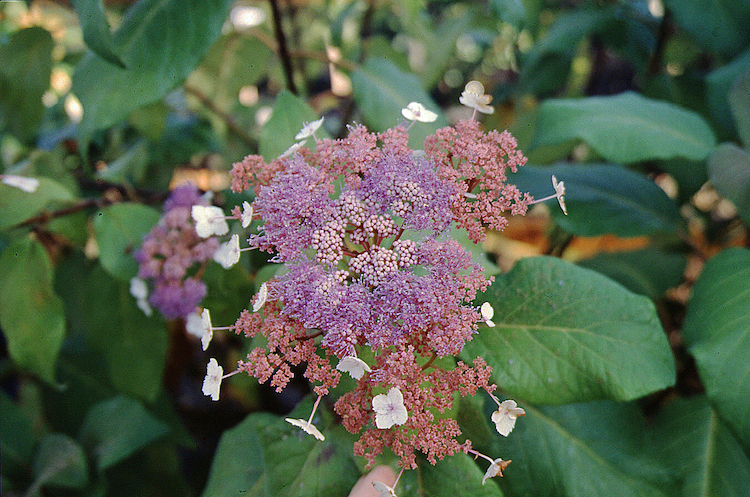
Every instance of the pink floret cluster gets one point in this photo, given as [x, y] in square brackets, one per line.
[362, 225]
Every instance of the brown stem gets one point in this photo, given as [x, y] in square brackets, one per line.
[286, 60]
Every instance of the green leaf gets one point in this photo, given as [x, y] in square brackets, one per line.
[25, 68]
[602, 198]
[455, 475]
[716, 334]
[160, 43]
[266, 456]
[17, 439]
[729, 173]
[568, 334]
[625, 128]
[719, 83]
[96, 32]
[722, 26]
[119, 231]
[381, 90]
[290, 113]
[739, 103]
[60, 462]
[115, 429]
[31, 315]
[580, 450]
[16, 205]
[700, 449]
[649, 272]
[511, 11]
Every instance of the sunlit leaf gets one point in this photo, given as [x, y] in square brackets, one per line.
[625, 128]
[565, 334]
[31, 314]
[716, 334]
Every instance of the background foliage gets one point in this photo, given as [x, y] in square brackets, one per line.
[622, 328]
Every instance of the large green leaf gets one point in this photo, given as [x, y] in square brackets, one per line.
[17, 205]
[289, 114]
[59, 462]
[381, 90]
[31, 315]
[579, 450]
[602, 198]
[266, 456]
[717, 334]
[119, 230]
[17, 439]
[719, 83]
[116, 428]
[160, 42]
[729, 173]
[700, 449]
[625, 128]
[739, 103]
[25, 67]
[649, 271]
[96, 31]
[722, 26]
[455, 475]
[567, 334]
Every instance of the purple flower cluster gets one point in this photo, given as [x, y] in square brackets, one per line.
[169, 253]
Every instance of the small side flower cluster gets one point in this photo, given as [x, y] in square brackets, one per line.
[374, 287]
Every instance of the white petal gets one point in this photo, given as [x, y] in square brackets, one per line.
[138, 288]
[29, 185]
[495, 469]
[194, 324]
[212, 381]
[487, 311]
[308, 129]
[209, 220]
[208, 332]
[417, 112]
[262, 296]
[228, 254]
[309, 428]
[291, 150]
[145, 307]
[385, 490]
[355, 366]
[247, 214]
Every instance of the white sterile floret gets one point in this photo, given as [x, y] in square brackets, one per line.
[228, 254]
[487, 312]
[389, 409]
[353, 365]
[560, 192]
[417, 112]
[139, 290]
[385, 490]
[29, 185]
[209, 220]
[496, 468]
[206, 329]
[212, 381]
[505, 416]
[307, 427]
[247, 214]
[293, 149]
[262, 296]
[473, 96]
[309, 129]
[194, 324]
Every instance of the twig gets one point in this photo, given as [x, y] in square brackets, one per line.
[286, 60]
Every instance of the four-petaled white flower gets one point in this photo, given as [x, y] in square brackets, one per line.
[473, 96]
[496, 468]
[385, 490]
[291, 150]
[228, 253]
[212, 381]
[209, 220]
[139, 290]
[29, 185]
[506, 415]
[307, 426]
[353, 365]
[309, 129]
[389, 409]
[417, 112]
[207, 331]
[262, 296]
[487, 312]
[560, 192]
[247, 214]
